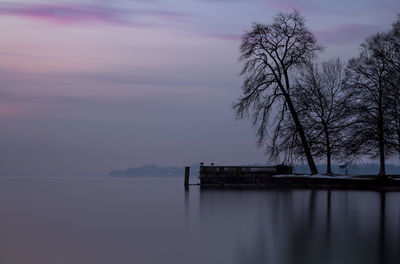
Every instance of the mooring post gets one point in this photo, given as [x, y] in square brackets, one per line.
[187, 173]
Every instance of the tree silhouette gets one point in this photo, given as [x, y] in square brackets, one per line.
[270, 54]
[370, 79]
[323, 106]
[390, 55]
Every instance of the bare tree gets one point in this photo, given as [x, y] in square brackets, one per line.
[391, 56]
[270, 54]
[393, 59]
[369, 75]
[323, 106]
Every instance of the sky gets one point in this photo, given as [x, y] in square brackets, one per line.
[90, 86]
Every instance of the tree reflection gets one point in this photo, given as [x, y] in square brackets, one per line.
[308, 226]
[382, 228]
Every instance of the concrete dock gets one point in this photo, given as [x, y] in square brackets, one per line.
[281, 176]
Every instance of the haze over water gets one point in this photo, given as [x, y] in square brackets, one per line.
[138, 220]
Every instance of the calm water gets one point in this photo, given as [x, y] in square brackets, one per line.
[120, 221]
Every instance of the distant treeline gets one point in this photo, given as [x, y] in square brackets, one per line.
[153, 170]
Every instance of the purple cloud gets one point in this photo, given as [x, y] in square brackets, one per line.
[289, 5]
[68, 13]
[222, 36]
[61, 13]
[345, 33]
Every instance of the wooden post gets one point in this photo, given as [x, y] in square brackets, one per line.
[187, 173]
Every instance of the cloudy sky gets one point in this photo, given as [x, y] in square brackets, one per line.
[89, 86]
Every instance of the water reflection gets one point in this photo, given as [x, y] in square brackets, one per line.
[156, 221]
[305, 226]
[382, 231]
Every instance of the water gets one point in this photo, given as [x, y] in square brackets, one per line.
[155, 221]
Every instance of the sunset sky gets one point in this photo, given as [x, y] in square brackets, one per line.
[90, 86]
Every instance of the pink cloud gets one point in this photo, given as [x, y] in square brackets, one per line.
[79, 13]
[59, 13]
[14, 109]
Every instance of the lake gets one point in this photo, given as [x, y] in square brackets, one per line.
[153, 220]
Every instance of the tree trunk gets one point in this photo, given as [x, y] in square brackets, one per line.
[328, 162]
[307, 152]
[328, 152]
[382, 171]
[398, 132]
